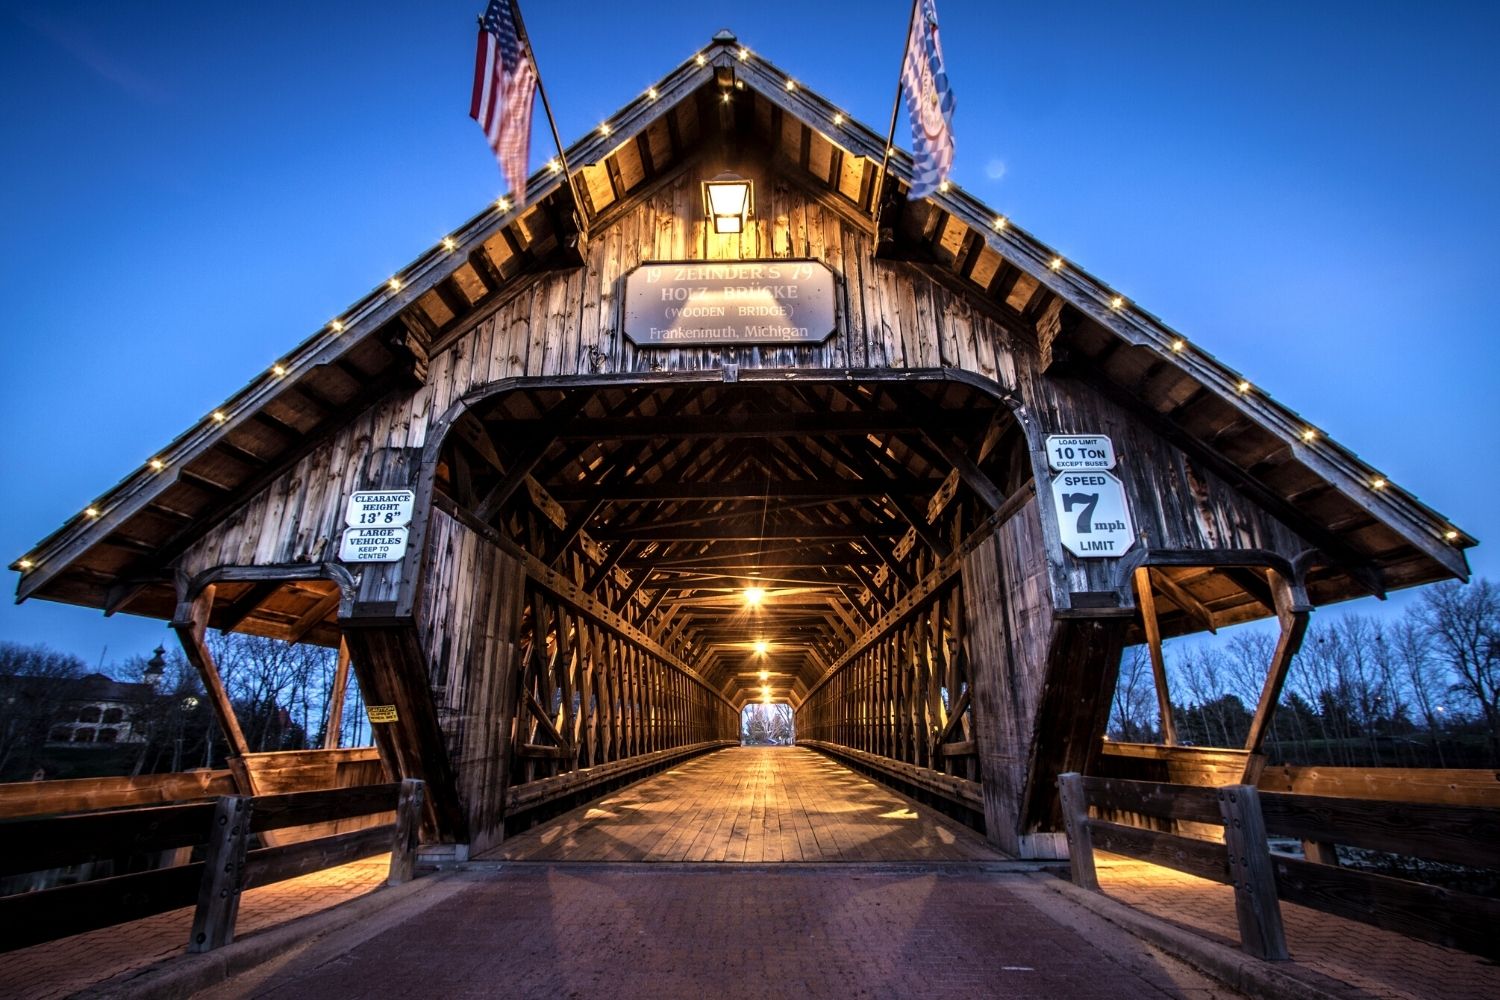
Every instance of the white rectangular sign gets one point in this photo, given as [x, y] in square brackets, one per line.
[1092, 515]
[1066, 452]
[379, 508]
[373, 545]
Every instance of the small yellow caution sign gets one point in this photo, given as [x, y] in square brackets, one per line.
[381, 713]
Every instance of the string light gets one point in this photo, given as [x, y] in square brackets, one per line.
[157, 464]
[725, 97]
[394, 284]
[604, 128]
[503, 203]
[91, 512]
[25, 564]
[1308, 435]
[1378, 483]
[765, 675]
[651, 93]
[791, 85]
[553, 165]
[220, 416]
[744, 54]
[278, 369]
[890, 151]
[838, 118]
[761, 647]
[1450, 535]
[943, 187]
[337, 326]
[754, 595]
[450, 244]
[1118, 302]
[701, 59]
[1179, 345]
[999, 223]
[1243, 387]
[1057, 263]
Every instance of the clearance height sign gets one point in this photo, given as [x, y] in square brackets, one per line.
[1093, 518]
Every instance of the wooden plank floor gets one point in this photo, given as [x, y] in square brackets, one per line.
[751, 804]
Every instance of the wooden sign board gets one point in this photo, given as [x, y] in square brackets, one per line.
[709, 303]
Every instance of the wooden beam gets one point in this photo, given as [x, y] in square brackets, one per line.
[1147, 599]
[191, 623]
[1293, 621]
[245, 605]
[336, 698]
[314, 616]
[1179, 596]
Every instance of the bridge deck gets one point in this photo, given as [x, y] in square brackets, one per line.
[752, 804]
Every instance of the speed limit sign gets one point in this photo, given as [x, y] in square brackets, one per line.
[1092, 516]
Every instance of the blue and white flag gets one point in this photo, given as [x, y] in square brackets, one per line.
[929, 103]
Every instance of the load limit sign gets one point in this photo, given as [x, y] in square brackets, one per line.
[1091, 513]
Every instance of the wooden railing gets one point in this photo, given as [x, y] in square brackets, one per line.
[223, 828]
[1463, 835]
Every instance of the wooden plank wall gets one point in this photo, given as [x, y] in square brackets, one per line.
[468, 622]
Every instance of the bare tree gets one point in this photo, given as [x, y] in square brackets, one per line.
[1463, 623]
[35, 684]
[1134, 717]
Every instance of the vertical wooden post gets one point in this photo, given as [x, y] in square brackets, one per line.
[1293, 621]
[1075, 810]
[223, 865]
[1255, 901]
[408, 826]
[336, 698]
[1147, 597]
[190, 622]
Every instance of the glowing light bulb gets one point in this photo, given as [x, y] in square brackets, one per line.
[394, 284]
[765, 675]
[1000, 223]
[157, 464]
[278, 370]
[1378, 483]
[337, 326]
[1243, 387]
[450, 244]
[760, 647]
[701, 59]
[1451, 535]
[553, 165]
[725, 98]
[838, 119]
[1309, 435]
[943, 187]
[604, 128]
[744, 54]
[791, 85]
[91, 512]
[1118, 302]
[1057, 263]
[220, 416]
[25, 564]
[754, 595]
[651, 93]
[1179, 345]
[503, 204]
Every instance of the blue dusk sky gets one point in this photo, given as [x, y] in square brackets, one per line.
[1307, 191]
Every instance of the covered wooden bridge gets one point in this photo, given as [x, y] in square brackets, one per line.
[624, 528]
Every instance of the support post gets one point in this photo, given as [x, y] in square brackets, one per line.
[223, 870]
[336, 698]
[1147, 598]
[408, 827]
[190, 622]
[1075, 810]
[1250, 873]
[1293, 619]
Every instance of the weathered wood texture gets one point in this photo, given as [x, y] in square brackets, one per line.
[889, 315]
[41, 798]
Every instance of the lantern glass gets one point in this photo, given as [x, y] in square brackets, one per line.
[727, 200]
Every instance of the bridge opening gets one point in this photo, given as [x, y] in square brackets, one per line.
[764, 724]
[675, 555]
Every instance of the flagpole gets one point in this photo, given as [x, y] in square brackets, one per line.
[515, 11]
[895, 113]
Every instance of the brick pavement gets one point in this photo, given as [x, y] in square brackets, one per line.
[730, 932]
[1358, 959]
[60, 968]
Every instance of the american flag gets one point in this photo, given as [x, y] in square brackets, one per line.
[504, 89]
[929, 103]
